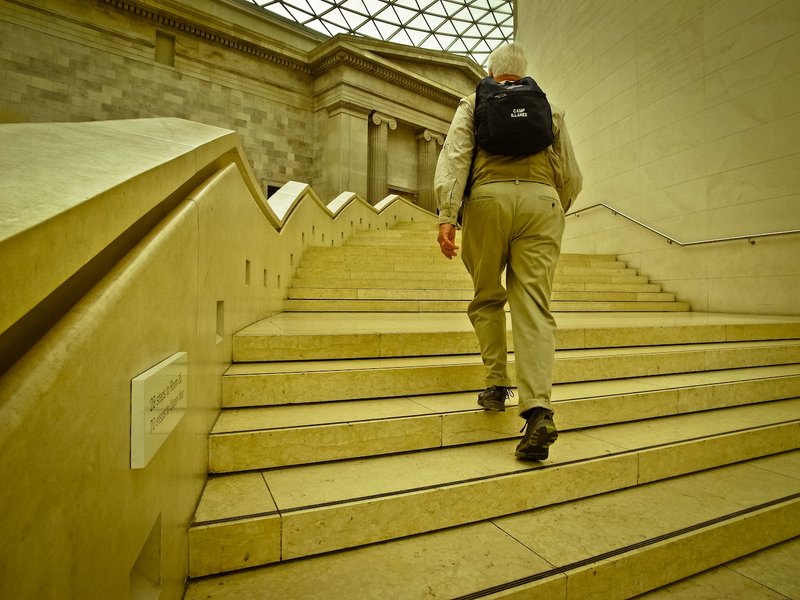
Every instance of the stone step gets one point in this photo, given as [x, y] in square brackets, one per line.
[363, 257]
[266, 437]
[770, 572]
[248, 519]
[275, 383]
[423, 224]
[422, 280]
[435, 272]
[465, 294]
[423, 243]
[297, 336]
[612, 545]
[369, 256]
[460, 306]
[433, 251]
[464, 284]
[394, 233]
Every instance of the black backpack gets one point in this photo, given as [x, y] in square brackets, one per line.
[512, 119]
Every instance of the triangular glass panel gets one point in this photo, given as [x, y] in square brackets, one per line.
[401, 37]
[280, 9]
[458, 46]
[452, 8]
[419, 23]
[337, 18]
[370, 29]
[374, 6]
[433, 22]
[387, 29]
[447, 27]
[417, 37]
[356, 6]
[299, 16]
[445, 41]
[486, 29]
[471, 31]
[431, 43]
[480, 58]
[436, 8]
[404, 15]
[354, 20]
[318, 25]
[482, 5]
[318, 8]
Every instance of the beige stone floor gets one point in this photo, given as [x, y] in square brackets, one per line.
[450, 562]
[769, 574]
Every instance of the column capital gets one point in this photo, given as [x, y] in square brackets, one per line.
[428, 135]
[380, 119]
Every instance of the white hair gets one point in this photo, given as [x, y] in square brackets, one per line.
[508, 59]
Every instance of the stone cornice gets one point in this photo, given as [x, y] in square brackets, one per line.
[208, 33]
[345, 56]
[348, 107]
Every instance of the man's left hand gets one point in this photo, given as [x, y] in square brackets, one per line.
[447, 240]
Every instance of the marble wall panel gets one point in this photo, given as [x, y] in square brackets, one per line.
[665, 19]
[621, 160]
[616, 109]
[762, 29]
[772, 295]
[686, 198]
[673, 76]
[614, 23]
[685, 135]
[772, 63]
[773, 179]
[622, 132]
[771, 140]
[670, 49]
[770, 214]
[721, 17]
[676, 168]
[619, 80]
[613, 189]
[775, 100]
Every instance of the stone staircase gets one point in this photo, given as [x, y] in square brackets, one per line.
[352, 461]
[402, 271]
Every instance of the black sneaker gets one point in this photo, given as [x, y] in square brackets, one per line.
[540, 433]
[494, 398]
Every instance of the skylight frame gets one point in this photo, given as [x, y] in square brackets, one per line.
[470, 28]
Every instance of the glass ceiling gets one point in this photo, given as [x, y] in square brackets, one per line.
[468, 27]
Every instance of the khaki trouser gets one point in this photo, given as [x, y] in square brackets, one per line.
[516, 226]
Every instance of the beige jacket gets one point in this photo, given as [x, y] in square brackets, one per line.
[555, 166]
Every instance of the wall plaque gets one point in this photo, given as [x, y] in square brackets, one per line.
[158, 403]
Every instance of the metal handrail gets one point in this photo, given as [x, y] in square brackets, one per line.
[671, 240]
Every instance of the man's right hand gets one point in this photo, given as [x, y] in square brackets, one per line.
[447, 240]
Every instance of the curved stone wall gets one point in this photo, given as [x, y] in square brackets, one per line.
[199, 254]
[683, 114]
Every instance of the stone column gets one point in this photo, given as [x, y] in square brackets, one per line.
[341, 150]
[427, 146]
[378, 164]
